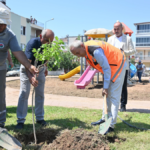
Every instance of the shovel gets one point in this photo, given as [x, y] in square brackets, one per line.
[9, 142]
[105, 126]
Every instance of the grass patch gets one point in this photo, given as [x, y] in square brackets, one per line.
[71, 118]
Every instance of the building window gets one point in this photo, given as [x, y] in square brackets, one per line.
[143, 41]
[23, 30]
[143, 28]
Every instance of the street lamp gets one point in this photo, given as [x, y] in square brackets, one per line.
[48, 21]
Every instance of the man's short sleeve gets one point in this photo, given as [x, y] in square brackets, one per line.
[31, 44]
[13, 44]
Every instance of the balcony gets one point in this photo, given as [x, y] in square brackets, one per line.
[146, 31]
[40, 24]
[143, 58]
[143, 44]
[36, 24]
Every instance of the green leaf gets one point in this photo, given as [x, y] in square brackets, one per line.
[56, 38]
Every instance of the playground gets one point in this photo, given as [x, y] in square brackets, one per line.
[70, 128]
[54, 85]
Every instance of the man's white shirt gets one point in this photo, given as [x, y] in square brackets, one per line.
[118, 43]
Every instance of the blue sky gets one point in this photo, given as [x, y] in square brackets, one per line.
[72, 17]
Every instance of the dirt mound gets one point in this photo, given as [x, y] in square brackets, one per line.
[78, 140]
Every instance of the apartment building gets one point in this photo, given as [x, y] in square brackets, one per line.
[24, 28]
[143, 43]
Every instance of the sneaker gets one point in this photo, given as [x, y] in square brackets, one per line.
[42, 122]
[19, 126]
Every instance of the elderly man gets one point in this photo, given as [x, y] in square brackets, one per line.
[110, 61]
[45, 37]
[8, 41]
[123, 42]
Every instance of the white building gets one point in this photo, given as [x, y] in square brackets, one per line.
[143, 42]
[23, 27]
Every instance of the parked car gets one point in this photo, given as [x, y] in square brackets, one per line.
[13, 72]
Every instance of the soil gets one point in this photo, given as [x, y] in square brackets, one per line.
[140, 91]
[79, 139]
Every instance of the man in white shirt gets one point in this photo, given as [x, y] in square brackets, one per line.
[123, 42]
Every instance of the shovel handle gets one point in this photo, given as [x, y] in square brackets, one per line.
[105, 101]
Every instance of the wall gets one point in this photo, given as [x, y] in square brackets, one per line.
[33, 32]
[16, 25]
[28, 32]
[17, 22]
[23, 37]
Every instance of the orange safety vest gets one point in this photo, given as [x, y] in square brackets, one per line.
[116, 57]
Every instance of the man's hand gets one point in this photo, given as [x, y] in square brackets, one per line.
[32, 79]
[46, 72]
[11, 64]
[105, 92]
[33, 70]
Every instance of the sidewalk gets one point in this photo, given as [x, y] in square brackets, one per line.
[72, 101]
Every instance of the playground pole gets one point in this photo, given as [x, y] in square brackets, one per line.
[97, 78]
[81, 59]
[93, 77]
[84, 58]
[106, 37]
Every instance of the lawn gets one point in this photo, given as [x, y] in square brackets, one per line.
[60, 118]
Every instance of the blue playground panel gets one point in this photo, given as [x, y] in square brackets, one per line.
[133, 70]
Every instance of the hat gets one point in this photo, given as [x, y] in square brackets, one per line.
[4, 16]
[139, 60]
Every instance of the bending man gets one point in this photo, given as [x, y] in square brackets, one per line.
[110, 61]
[46, 36]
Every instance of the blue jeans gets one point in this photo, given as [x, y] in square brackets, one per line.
[139, 74]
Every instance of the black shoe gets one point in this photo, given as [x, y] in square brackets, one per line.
[19, 126]
[97, 122]
[123, 109]
[110, 129]
[42, 122]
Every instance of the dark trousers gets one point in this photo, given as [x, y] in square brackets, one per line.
[139, 74]
[124, 94]
[2, 97]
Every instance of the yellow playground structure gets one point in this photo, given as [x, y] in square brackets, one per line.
[70, 74]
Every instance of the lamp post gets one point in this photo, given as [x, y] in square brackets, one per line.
[48, 21]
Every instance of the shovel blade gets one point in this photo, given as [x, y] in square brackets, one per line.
[104, 126]
[9, 142]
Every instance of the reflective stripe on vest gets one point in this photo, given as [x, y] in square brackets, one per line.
[122, 63]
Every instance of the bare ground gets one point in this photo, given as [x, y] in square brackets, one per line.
[140, 91]
[79, 139]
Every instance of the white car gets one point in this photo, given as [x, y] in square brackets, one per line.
[13, 72]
